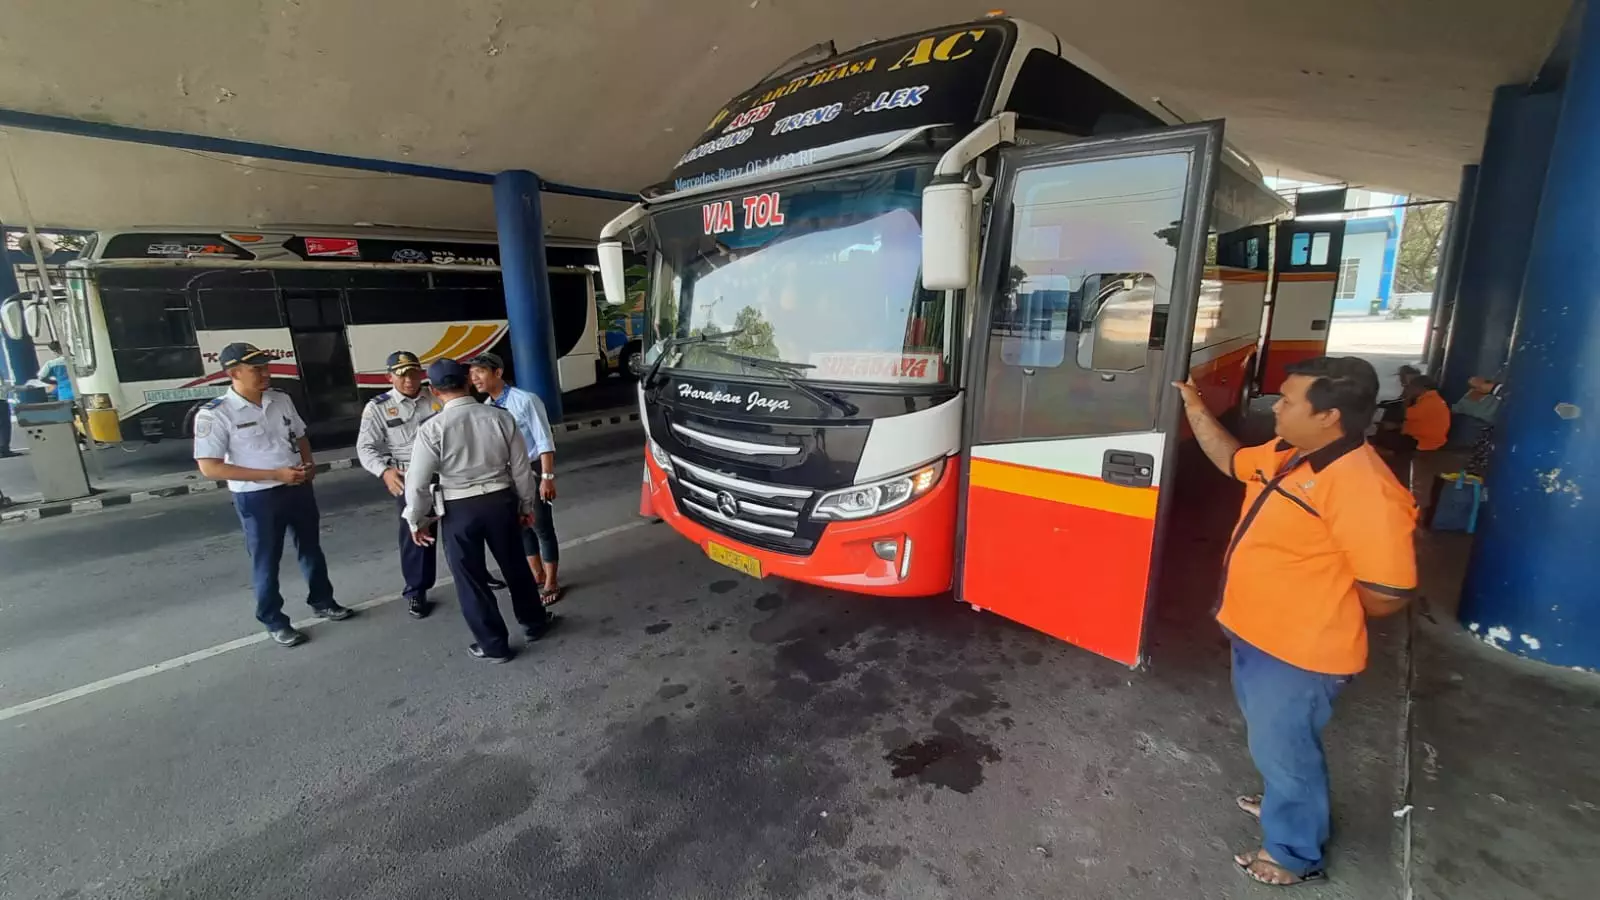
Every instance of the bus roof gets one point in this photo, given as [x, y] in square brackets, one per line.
[312, 245]
[864, 102]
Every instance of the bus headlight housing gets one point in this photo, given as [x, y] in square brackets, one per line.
[863, 500]
[660, 456]
[97, 401]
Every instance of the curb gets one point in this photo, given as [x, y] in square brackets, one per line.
[600, 421]
[96, 504]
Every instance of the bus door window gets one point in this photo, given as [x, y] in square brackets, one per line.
[83, 347]
[1078, 321]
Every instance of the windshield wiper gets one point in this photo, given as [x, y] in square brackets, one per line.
[788, 371]
[672, 343]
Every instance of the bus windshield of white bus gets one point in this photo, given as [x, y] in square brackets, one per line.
[821, 277]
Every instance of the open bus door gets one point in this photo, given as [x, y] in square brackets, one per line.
[1094, 271]
[1305, 275]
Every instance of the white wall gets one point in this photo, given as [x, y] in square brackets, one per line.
[1368, 248]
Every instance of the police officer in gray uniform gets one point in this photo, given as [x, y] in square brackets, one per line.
[389, 425]
[488, 492]
[253, 437]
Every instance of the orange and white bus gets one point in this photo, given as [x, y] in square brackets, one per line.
[150, 309]
[914, 314]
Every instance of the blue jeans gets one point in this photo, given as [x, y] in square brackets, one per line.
[1285, 709]
[266, 516]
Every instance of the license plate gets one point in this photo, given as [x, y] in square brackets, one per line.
[733, 559]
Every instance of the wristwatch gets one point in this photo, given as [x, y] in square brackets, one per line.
[547, 476]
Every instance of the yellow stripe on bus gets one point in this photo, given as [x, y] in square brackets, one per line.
[1059, 487]
[452, 337]
[458, 339]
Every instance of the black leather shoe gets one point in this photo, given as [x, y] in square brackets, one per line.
[289, 636]
[477, 653]
[334, 613]
[535, 632]
[419, 607]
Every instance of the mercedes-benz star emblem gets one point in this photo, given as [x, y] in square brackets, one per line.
[728, 504]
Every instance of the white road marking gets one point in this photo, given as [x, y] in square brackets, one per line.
[179, 662]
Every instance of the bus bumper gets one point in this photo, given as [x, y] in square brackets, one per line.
[844, 559]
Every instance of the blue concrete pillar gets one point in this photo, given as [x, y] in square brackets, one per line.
[1516, 150]
[1450, 260]
[1532, 584]
[1391, 249]
[520, 223]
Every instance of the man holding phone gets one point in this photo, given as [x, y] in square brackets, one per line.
[254, 438]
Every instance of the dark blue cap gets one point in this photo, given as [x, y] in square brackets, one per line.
[447, 374]
[402, 361]
[243, 354]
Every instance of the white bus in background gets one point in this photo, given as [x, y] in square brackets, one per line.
[151, 308]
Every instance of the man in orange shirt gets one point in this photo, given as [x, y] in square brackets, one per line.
[1324, 540]
[1426, 426]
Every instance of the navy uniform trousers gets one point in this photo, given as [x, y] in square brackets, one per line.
[418, 565]
[469, 525]
[266, 516]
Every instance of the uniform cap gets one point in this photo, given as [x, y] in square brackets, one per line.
[447, 374]
[243, 354]
[403, 361]
[487, 361]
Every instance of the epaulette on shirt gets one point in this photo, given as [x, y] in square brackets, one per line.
[215, 402]
[379, 400]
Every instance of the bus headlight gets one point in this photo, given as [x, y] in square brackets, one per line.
[661, 457]
[97, 401]
[863, 500]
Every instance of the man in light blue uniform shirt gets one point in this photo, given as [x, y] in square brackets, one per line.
[253, 437]
[539, 543]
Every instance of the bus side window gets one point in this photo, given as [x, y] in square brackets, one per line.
[1300, 250]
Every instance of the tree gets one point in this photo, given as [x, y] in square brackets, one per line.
[754, 337]
[1416, 262]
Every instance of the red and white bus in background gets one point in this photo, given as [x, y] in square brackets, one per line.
[150, 309]
[914, 314]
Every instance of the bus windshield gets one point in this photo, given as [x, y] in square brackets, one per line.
[822, 277]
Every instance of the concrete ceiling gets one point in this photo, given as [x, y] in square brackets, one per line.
[1386, 93]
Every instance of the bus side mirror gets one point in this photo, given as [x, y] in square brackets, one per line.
[11, 323]
[947, 236]
[611, 272]
[636, 366]
[38, 322]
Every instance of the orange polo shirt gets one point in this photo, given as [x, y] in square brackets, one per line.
[1312, 528]
[1428, 420]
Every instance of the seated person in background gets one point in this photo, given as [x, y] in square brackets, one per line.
[1473, 415]
[1426, 426]
[1394, 411]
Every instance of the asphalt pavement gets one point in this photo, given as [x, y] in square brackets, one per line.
[687, 733]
